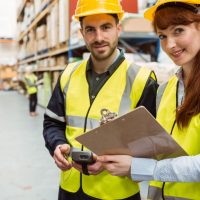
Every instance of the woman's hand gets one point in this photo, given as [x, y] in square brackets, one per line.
[116, 165]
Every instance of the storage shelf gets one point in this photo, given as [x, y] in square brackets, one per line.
[7, 40]
[138, 35]
[52, 53]
[37, 19]
[137, 39]
[21, 8]
[50, 69]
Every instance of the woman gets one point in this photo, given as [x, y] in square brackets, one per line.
[177, 23]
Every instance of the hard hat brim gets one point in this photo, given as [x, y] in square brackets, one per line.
[150, 12]
[119, 14]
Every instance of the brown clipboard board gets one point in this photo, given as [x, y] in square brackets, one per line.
[136, 133]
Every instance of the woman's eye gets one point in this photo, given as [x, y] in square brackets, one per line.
[178, 30]
[161, 37]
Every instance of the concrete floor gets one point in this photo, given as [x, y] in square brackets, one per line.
[27, 172]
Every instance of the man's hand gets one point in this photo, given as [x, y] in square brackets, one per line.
[93, 169]
[116, 165]
[60, 157]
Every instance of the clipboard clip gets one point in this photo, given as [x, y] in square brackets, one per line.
[107, 116]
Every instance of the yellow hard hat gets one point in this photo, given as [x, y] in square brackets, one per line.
[149, 13]
[88, 7]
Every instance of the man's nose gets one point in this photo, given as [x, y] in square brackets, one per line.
[99, 35]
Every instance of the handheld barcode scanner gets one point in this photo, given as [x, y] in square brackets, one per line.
[83, 158]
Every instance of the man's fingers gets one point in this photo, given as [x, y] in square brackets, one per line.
[77, 166]
[65, 149]
[63, 164]
[106, 158]
[60, 157]
[94, 157]
[62, 167]
[95, 168]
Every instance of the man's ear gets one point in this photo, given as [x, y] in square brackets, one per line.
[119, 29]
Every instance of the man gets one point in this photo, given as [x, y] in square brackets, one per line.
[105, 81]
[31, 82]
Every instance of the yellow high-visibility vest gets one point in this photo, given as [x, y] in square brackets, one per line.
[119, 94]
[188, 138]
[30, 81]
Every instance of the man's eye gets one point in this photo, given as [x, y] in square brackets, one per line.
[89, 30]
[106, 27]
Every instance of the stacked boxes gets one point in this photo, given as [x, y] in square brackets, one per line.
[63, 21]
[53, 27]
[41, 35]
[137, 24]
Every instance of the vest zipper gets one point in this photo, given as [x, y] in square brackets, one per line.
[85, 123]
[85, 126]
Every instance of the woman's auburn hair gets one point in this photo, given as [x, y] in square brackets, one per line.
[191, 105]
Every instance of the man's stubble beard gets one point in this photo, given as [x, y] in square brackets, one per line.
[107, 55]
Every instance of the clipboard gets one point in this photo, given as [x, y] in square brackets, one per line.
[136, 133]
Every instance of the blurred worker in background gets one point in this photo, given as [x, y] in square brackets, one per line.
[105, 81]
[30, 80]
[177, 23]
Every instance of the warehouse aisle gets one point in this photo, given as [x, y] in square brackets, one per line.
[27, 172]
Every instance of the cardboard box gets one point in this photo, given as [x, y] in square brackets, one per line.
[54, 34]
[41, 32]
[137, 24]
[63, 20]
[61, 60]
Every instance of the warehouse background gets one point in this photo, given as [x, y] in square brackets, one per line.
[38, 34]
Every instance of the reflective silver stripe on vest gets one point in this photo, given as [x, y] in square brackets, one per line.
[54, 116]
[125, 103]
[77, 121]
[154, 193]
[65, 89]
[160, 92]
[67, 85]
[92, 123]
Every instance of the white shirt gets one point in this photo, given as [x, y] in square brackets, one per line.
[181, 169]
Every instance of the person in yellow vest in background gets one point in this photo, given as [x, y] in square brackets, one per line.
[105, 81]
[30, 80]
[177, 24]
